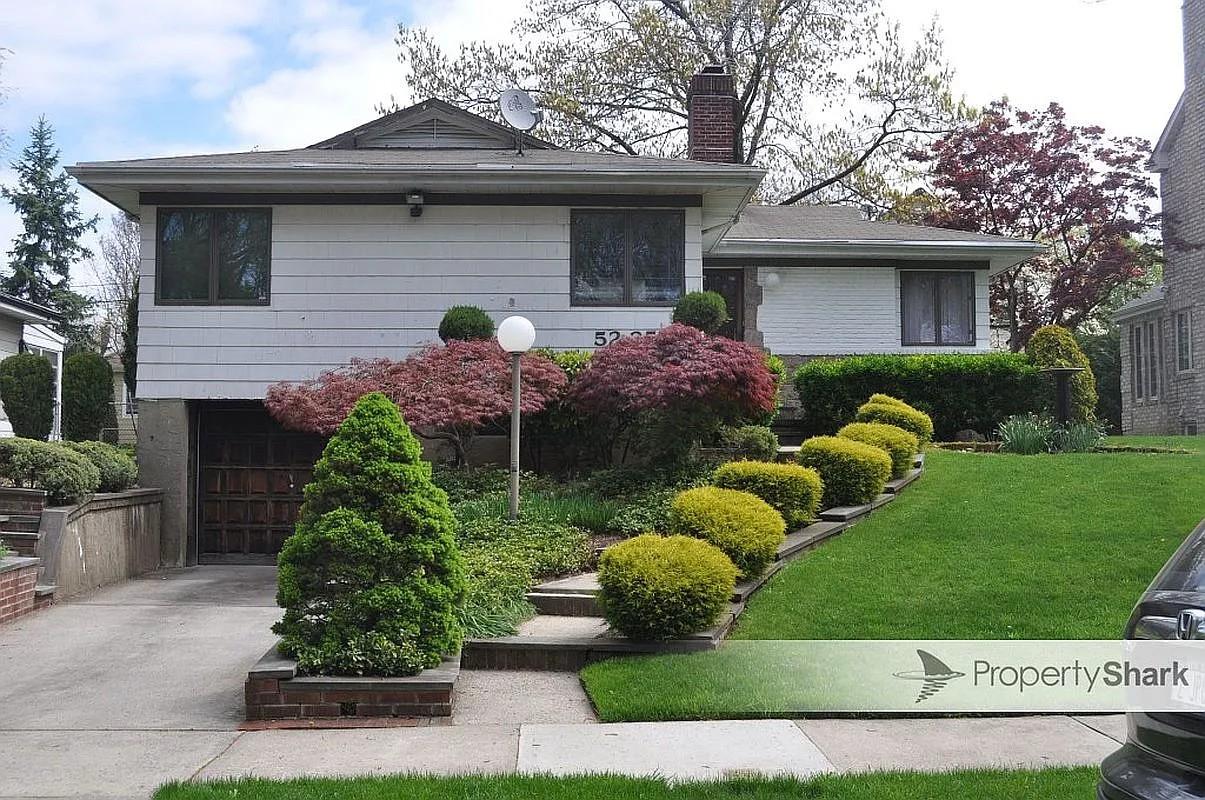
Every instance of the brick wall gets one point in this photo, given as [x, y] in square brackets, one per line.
[711, 126]
[17, 588]
[21, 501]
[272, 698]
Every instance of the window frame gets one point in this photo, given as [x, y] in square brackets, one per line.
[214, 273]
[1137, 366]
[627, 301]
[937, 335]
[1154, 350]
[1184, 340]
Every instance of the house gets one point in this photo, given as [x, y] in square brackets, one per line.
[1163, 331]
[124, 407]
[259, 267]
[29, 328]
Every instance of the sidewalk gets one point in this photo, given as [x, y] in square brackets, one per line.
[111, 695]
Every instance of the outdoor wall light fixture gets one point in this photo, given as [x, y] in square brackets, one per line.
[415, 199]
[768, 279]
[516, 335]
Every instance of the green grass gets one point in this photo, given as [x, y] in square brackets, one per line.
[1049, 784]
[984, 546]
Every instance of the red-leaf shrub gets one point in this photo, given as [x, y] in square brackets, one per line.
[679, 379]
[446, 392]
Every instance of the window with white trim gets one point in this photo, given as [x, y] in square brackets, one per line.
[1183, 341]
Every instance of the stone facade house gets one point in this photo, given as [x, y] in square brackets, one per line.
[1163, 331]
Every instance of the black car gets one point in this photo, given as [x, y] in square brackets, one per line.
[1164, 754]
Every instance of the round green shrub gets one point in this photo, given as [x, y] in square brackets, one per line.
[1055, 346]
[898, 443]
[27, 391]
[706, 311]
[793, 491]
[744, 526]
[465, 323]
[118, 471]
[87, 397]
[754, 442]
[854, 473]
[653, 587]
[886, 399]
[903, 416]
[392, 608]
[65, 475]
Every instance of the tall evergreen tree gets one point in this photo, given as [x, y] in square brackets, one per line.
[43, 252]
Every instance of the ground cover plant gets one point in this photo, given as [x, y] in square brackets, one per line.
[1060, 783]
[985, 546]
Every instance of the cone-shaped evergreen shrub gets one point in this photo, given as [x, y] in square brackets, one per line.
[371, 577]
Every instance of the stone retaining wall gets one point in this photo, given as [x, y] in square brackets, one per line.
[108, 538]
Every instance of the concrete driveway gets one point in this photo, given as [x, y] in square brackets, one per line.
[111, 694]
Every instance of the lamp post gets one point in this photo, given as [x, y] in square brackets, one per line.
[1062, 391]
[516, 335]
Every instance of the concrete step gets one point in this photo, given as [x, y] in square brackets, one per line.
[27, 523]
[566, 644]
[564, 604]
[850, 513]
[895, 486]
[806, 538]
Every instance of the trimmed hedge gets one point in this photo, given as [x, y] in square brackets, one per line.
[900, 415]
[898, 443]
[27, 391]
[744, 526]
[371, 579]
[960, 390]
[118, 471]
[654, 587]
[65, 475]
[1055, 346]
[87, 397]
[465, 323]
[854, 473]
[755, 442]
[792, 490]
[706, 311]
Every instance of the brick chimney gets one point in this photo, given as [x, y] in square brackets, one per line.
[711, 114]
[1194, 41]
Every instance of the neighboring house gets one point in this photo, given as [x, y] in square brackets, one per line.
[266, 266]
[1163, 331]
[29, 328]
[124, 406]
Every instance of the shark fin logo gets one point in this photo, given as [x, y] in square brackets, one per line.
[935, 674]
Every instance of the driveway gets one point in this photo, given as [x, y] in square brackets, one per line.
[111, 694]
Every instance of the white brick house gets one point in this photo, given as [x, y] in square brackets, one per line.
[267, 266]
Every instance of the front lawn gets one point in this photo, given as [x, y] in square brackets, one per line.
[1049, 784]
[984, 546]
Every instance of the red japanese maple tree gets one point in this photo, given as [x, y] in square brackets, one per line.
[690, 379]
[445, 392]
[1032, 175]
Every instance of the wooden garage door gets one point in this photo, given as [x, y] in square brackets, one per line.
[251, 475]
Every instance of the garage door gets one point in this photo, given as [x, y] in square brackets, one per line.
[251, 473]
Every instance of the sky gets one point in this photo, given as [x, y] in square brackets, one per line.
[131, 78]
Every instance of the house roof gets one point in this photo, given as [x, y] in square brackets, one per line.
[432, 123]
[1149, 300]
[1161, 155]
[836, 232]
[26, 311]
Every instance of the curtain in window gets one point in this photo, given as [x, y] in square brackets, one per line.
[657, 242]
[599, 246]
[184, 254]
[918, 290]
[956, 294]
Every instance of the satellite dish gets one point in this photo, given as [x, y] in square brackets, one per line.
[519, 110]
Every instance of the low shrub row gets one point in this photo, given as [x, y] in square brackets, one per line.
[745, 527]
[899, 444]
[68, 471]
[961, 391]
[792, 490]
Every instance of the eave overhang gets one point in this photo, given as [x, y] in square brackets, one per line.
[998, 255]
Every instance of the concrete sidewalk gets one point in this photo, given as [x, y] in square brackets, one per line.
[111, 695]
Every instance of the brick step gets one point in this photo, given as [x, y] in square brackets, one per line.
[566, 644]
[20, 522]
[23, 543]
[43, 593]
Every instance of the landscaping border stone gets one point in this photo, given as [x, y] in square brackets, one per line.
[274, 691]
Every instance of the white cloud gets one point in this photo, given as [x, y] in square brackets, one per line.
[105, 52]
[350, 67]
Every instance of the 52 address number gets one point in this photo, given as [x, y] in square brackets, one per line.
[606, 337]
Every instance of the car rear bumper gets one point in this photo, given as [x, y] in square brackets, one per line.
[1132, 773]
